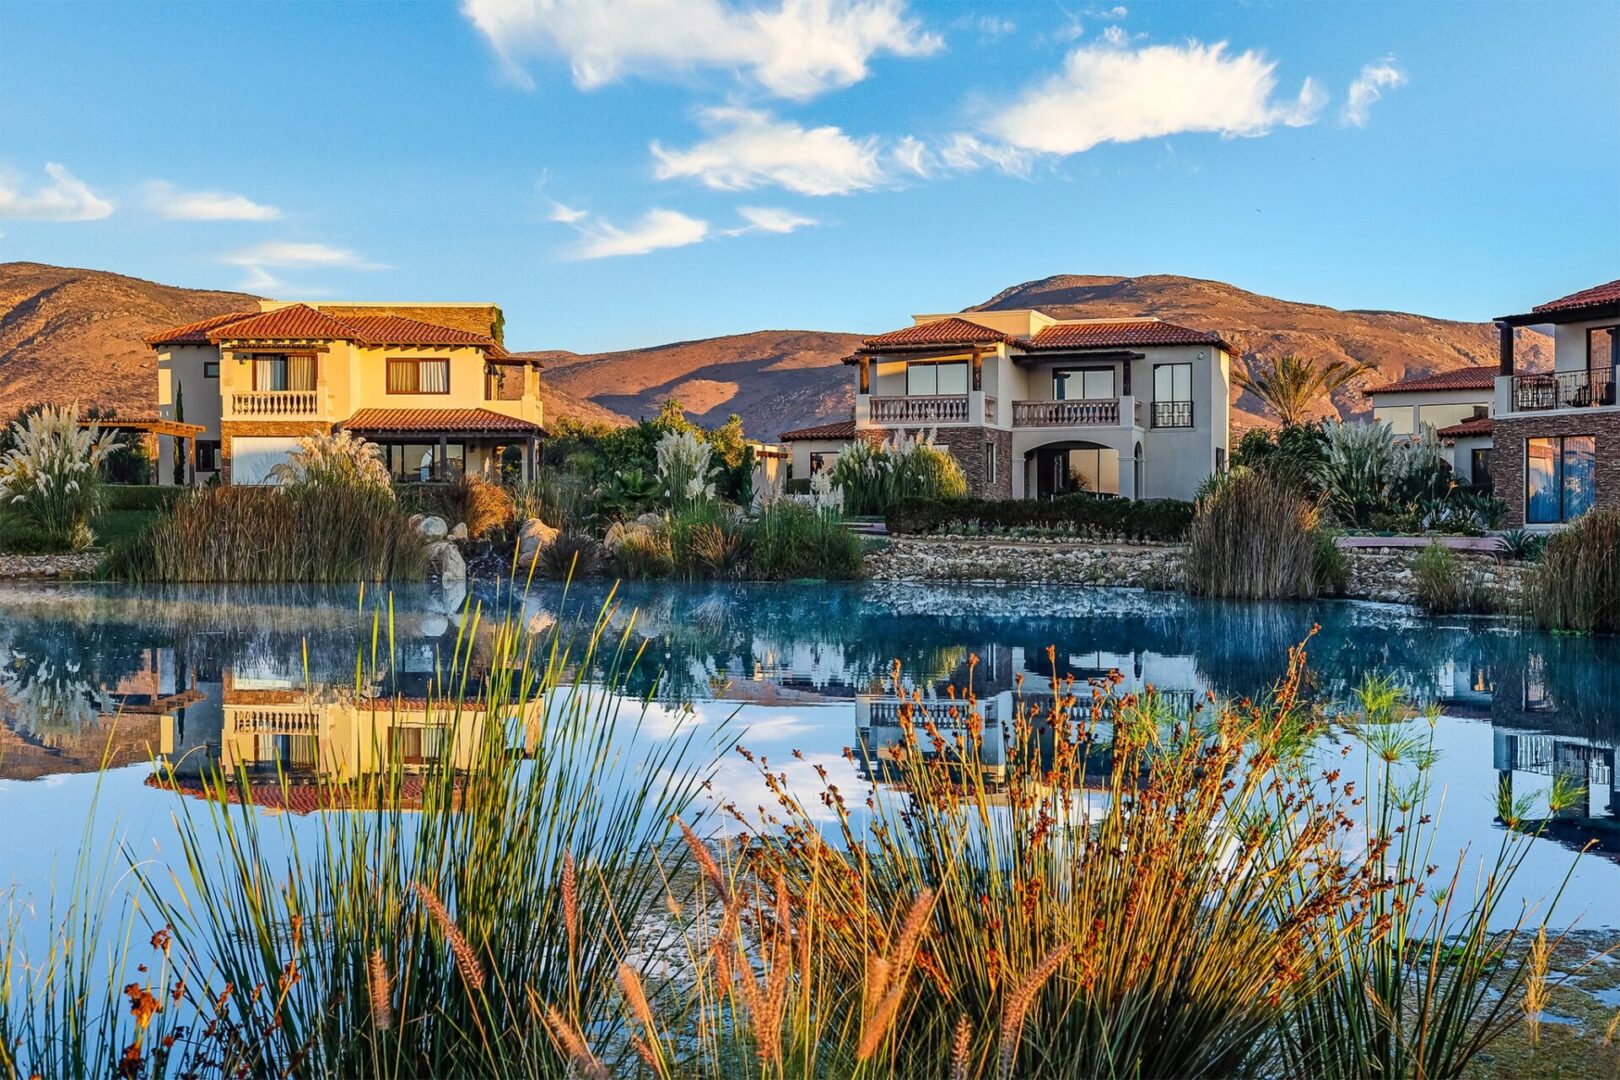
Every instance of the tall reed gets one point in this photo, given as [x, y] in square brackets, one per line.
[1576, 585]
[1255, 537]
[264, 534]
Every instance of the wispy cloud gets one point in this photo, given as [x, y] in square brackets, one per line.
[769, 219]
[749, 148]
[1368, 88]
[64, 198]
[656, 230]
[1110, 94]
[257, 262]
[794, 48]
[165, 200]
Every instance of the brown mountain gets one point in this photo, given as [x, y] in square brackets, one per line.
[68, 334]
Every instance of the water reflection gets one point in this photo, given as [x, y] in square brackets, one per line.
[208, 679]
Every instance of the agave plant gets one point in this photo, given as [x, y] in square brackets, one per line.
[50, 479]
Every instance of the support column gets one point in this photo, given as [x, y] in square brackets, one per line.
[443, 471]
[1504, 348]
[191, 461]
[866, 375]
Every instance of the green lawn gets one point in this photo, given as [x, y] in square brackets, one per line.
[126, 513]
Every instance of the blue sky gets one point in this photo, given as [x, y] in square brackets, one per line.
[628, 172]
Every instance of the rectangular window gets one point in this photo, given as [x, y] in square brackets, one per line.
[210, 369]
[420, 461]
[418, 376]
[989, 463]
[1559, 478]
[1083, 384]
[1399, 418]
[1443, 416]
[821, 461]
[208, 455]
[1479, 465]
[929, 380]
[1600, 347]
[278, 373]
[1172, 396]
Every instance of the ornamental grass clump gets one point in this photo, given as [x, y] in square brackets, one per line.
[337, 459]
[789, 540]
[873, 476]
[1576, 584]
[686, 469]
[1446, 584]
[50, 479]
[1255, 537]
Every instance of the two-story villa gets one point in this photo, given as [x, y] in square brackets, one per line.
[1556, 434]
[1033, 406]
[1457, 404]
[430, 383]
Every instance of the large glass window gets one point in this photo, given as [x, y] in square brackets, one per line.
[1600, 347]
[418, 376]
[1398, 417]
[1172, 382]
[419, 461]
[283, 372]
[1443, 416]
[1560, 476]
[1083, 384]
[927, 380]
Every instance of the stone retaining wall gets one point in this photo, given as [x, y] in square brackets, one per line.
[1375, 574]
[76, 564]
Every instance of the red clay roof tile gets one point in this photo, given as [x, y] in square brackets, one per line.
[1468, 378]
[291, 322]
[843, 429]
[434, 421]
[1125, 333]
[1593, 297]
[300, 321]
[1482, 426]
[196, 333]
[951, 331]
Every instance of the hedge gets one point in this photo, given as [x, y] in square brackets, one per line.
[1084, 515]
[139, 496]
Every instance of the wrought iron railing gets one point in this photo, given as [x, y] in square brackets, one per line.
[936, 409]
[1172, 414]
[1563, 390]
[1066, 413]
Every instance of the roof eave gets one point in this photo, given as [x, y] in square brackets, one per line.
[1610, 310]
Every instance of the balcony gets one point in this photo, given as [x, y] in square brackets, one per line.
[276, 404]
[1172, 414]
[1563, 390]
[1066, 413]
[937, 409]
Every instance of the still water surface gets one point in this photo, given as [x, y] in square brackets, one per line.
[265, 680]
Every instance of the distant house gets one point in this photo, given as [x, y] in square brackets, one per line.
[1456, 404]
[1034, 406]
[430, 383]
[1557, 433]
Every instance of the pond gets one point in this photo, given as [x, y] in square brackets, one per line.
[266, 680]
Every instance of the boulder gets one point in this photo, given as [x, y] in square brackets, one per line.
[445, 563]
[459, 532]
[534, 535]
[651, 522]
[432, 528]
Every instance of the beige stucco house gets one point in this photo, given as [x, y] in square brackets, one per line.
[1456, 404]
[1035, 406]
[430, 383]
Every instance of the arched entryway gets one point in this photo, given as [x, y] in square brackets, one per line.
[1061, 468]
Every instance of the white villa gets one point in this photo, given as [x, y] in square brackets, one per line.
[1457, 404]
[1035, 406]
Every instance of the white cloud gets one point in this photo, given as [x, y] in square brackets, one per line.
[968, 153]
[750, 149]
[65, 198]
[769, 219]
[1368, 88]
[657, 229]
[566, 215]
[913, 155]
[794, 48]
[1109, 94]
[165, 200]
[257, 262]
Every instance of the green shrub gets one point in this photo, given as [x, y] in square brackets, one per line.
[707, 541]
[1255, 537]
[131, 497]
[1445, 584]
[1576, 585]
[639, 551]
[1294, 454]
[309, 533]
[1081, 514]
[790, 541]
[50, 479]
[1332, 564]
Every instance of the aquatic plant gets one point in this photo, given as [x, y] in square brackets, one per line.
[50, 477]
[321, 532]
[1576, 583]
[1445, 584]
[788, 541]
[1255, 537]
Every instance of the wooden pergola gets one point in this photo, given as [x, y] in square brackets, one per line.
[179, 431]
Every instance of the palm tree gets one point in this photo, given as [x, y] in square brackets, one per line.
[1290, 385]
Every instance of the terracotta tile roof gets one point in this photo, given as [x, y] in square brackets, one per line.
[293, 321]
[1481, 426]
[300, 321]
[843, 429]
[433, 421]
[1468, 378]
[951, 331]
[1122, 334]
[196, 333]
[302, 796]
[1593, 297]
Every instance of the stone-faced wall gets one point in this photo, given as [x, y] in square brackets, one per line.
[1507, 455]
[967, 444]
[229, 429]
